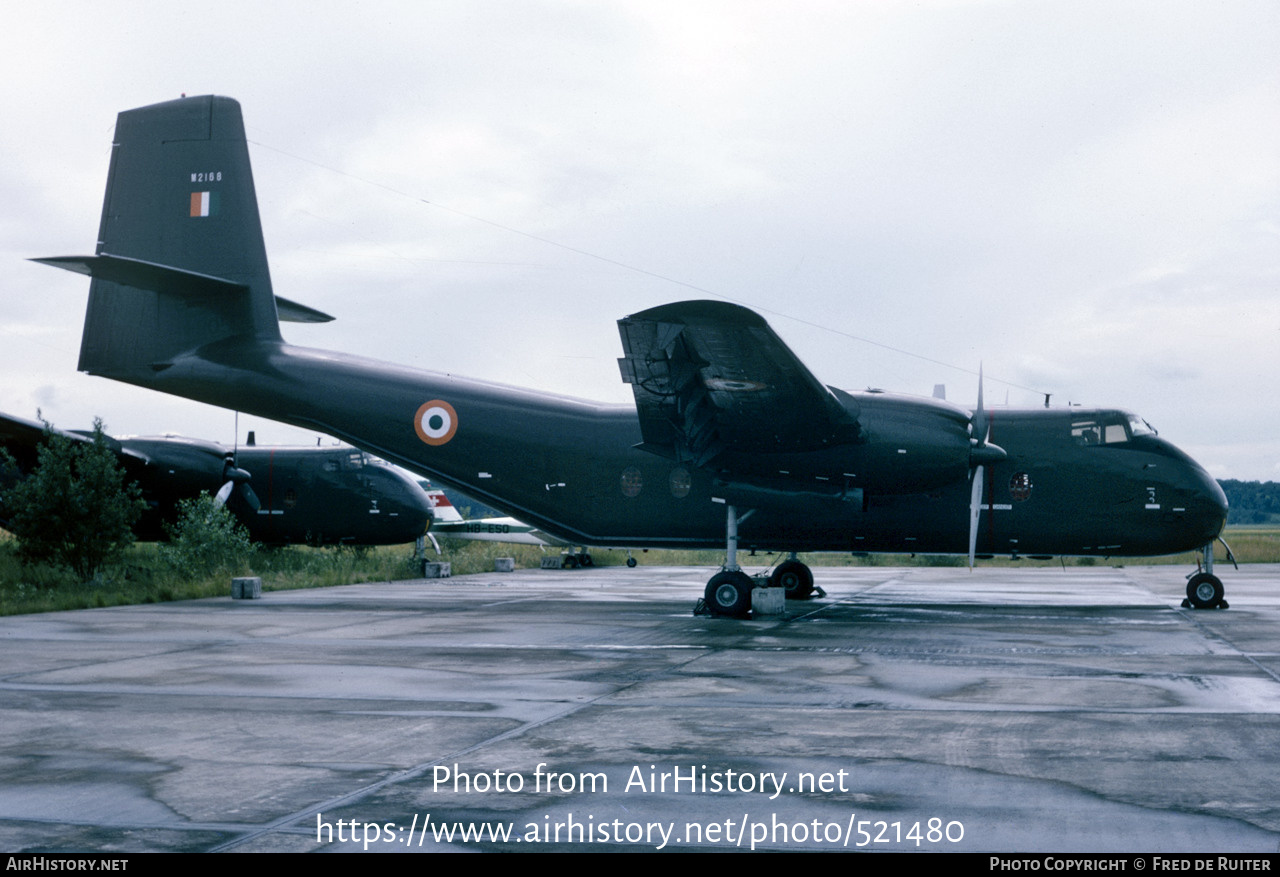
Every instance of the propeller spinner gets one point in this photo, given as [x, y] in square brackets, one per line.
[236, 479]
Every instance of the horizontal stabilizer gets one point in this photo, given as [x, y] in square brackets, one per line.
[144, 275]
[292, 312]
[167, 279]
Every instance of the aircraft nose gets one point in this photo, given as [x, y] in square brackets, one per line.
[1209, 511]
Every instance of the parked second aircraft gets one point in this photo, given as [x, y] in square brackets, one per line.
[283, 495]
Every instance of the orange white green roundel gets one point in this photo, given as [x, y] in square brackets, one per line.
[435, 422]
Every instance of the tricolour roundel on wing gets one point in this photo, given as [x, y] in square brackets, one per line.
[435, 422]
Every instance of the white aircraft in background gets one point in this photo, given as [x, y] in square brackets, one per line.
[446, 520]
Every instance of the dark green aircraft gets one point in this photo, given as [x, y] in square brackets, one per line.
[283, 495]
[732, 440]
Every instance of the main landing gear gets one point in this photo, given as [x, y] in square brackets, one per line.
[729, 591]
[569, 560]
[794, 577]
[1204, 589]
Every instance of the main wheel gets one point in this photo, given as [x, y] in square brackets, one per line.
[729, 594]
[1204, 591]
[584, 559]
[569, 561]
[631, 562]
[793, 577]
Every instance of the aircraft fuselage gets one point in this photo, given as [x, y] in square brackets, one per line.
[572, 467]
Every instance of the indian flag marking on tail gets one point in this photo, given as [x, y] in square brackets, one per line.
[204, 203]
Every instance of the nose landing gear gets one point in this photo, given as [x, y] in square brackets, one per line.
[1204, 589]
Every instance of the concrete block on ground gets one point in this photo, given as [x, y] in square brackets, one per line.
[504, 564]
[769, 601]
[246, 588]
[436, 569]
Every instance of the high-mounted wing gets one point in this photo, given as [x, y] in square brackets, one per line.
[712, 378]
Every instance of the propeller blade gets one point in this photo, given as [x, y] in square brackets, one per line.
[247, 494]
[981, 454]
[223, 493]
[981, 451]
[981, 429]
[975, 511]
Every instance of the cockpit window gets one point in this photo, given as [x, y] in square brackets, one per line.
[1105, 429]
[1138, 426]
[350, 460]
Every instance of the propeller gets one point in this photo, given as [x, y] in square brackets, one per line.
[982, 453]
[975, 512]
[237, 480]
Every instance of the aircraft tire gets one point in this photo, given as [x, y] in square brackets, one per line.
[729, 594]
[631, 562]
[569, 562]
[584, 559]
[1205, 591]
[793, 577]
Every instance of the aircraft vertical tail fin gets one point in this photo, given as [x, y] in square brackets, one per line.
[180, 261]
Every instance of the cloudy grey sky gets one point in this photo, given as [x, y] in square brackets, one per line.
[1080, 195]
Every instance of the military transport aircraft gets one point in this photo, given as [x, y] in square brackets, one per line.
[732, 440]
[283, 495]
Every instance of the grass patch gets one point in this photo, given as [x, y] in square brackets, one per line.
[144, 576]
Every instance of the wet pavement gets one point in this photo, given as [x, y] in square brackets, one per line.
[1011, 710]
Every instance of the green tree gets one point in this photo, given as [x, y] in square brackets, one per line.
[75, 508]
[207, 538]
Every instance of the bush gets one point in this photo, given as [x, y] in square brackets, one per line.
[206, 538]
[74, 508]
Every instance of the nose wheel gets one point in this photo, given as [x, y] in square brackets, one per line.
[1204, 589]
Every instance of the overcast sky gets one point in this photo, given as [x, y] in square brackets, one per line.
[1082, 196]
